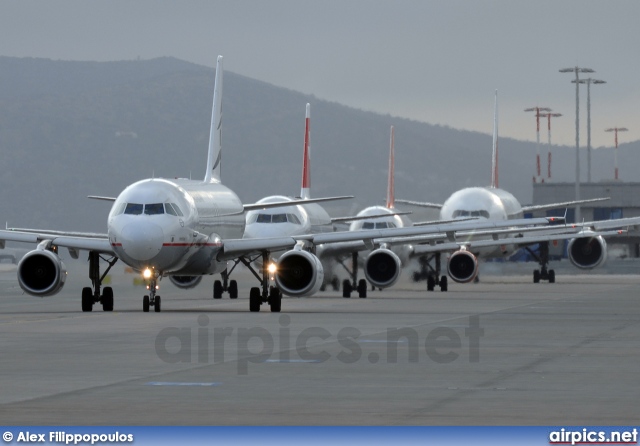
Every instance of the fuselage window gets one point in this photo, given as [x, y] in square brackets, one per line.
[154, 209]
[133, 209]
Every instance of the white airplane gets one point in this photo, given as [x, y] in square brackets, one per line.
[494, 204]
[306, 217]
[180, 227]
[378, 274]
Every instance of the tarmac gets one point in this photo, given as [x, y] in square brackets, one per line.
[503, 351]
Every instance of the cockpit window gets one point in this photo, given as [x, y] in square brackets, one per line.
[263, 218]
[133, 209]
[462, 213]
[169, 209]
[368, 225]
[177, 209]
[279, 218]
[293, 219]
[154, 209]
[120, 209]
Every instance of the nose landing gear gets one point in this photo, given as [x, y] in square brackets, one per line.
[152, 300]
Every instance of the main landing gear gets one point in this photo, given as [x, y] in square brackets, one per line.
[268, 294]
[89, 296]
[542, 257]
[353, 284]
[431, 273]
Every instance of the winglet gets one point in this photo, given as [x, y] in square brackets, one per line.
[494, 159]
[305, 192]
[390, 185]
[215, 143]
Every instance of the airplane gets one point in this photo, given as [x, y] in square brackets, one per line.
[303, 218]
[495, 204]
[183, 227]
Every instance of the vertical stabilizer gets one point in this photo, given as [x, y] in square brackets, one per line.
[494, 159]
[215, 143]
[390, 184]
[305, 192]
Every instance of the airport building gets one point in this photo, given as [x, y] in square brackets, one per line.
[624, 202]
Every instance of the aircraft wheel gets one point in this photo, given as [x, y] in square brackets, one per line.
[444, 283]
[552, 276]
[362, 288]
[275, 300]
[254, 299]
[233, 289]
[107, 299]
[87, 299]
[217, 289]
[145, 304]
[536, 276]
[431, 283]
[156, 304]
[346, 288]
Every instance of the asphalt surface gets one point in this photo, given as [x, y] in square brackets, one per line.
[500, 352]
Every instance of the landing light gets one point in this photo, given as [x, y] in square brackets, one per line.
[146, 273]
[272, 268]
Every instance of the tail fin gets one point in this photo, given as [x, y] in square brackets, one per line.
[494, 159]
[390, 184]
[305, 192]
[215, 143]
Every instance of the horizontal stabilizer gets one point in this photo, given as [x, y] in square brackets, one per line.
[420, 204]
[97, 197]
[366, 217]
[282, 204]
[565, 204]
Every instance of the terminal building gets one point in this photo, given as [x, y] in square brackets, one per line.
[624, 202]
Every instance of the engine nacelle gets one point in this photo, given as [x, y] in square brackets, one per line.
[41, 273]
[587, 252]
[185, 282]
[382, 268]
[462, 266]
[299, 273]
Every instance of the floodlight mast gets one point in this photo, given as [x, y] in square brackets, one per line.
[538, 176]
[615, 152]
[577, 71]
[589, 81]
[549, 116]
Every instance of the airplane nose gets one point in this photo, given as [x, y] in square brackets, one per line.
[142, 240]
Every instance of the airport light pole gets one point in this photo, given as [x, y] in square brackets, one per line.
[589, 81]
[615, 153]
[549, 116]
[577, 71]
[538, 176]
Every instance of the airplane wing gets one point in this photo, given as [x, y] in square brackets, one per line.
[544, 207]
[74, 241]
[420, 204]
[278, 204]
[365, 217]
[98, 197]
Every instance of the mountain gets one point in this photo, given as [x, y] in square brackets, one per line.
[72, 129]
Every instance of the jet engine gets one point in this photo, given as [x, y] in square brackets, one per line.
[41, 273]
[587, 252]
[382, 268]
[462, 266]
[185, 282]
[299, 273]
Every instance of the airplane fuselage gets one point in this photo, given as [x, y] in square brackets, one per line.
[484, 202]
[174, 226]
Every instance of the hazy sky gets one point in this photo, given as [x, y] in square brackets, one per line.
[433, 61]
